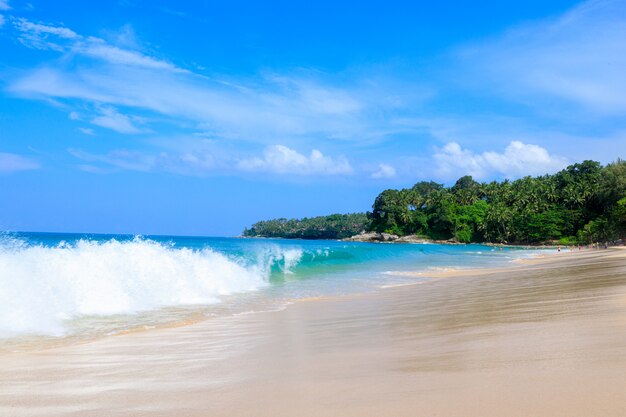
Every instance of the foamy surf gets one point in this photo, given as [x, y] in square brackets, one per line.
[41, 288]
[80, 286]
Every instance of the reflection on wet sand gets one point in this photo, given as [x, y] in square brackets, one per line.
[545, 338]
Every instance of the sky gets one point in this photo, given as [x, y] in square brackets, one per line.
[200, 118]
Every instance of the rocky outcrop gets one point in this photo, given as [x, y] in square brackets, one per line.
[412, 239]
[376, 237]
[372, 237]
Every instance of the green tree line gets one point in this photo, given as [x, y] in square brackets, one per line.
[583, 203]
[335, 226]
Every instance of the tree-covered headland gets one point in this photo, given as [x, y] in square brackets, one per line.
[584, 203]
[335, 226]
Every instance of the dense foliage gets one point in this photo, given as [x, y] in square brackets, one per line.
[583, 203]
[335, 226]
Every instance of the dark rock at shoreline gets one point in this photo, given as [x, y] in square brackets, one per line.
[372, 237]
[376, 237]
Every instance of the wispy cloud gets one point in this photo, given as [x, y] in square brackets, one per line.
[179, 155]
[384, 171]
[119, 158]
[257, 109]
[518, 159]
[62, 39]
[87, 131]
[2, 20]
[565, 67]
[209, 159]
[556, 82]
[254, 110]
[42, 36]
[280, 159]
[578, 58]
[42, 31]
[4, 5]
[110, 118]
[10, 162]
[124, 37]
[99, 49]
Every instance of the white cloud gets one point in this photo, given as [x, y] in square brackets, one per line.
[257, 109]
[249, 110]
[4, 5]
[62, 39]
[201, 157]
[194, 162]
[40, 29]
[10, 162]
[517, 160]
[120, 158]
[325, 100]
[384, 171]
[1, 20]
[112, 119]
[280, 159]
[87, 131]
[99, 49]
[43, 36]
[578, 58]
[124, 37]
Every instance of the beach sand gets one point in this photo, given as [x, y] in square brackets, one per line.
[544, 338]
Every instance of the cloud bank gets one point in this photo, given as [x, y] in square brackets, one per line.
[280, 159]
[517, 160]
[255, 109]
[206, 158]
[561, 70]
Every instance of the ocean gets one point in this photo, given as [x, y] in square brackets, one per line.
[63, 288]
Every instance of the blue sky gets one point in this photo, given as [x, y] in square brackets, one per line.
[186, 118]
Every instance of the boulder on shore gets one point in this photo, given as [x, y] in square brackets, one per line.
[372, 237]
[376, 237]
[412, 239]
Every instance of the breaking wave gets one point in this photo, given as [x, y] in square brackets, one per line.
[42, 287]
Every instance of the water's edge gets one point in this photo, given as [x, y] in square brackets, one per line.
[67, 288]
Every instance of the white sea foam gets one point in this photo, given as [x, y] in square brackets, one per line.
[42, 287]
[285, 259]
[403, 273]
[291, 258]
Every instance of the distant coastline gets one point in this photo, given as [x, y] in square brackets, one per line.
[583, 204]
[384, 238]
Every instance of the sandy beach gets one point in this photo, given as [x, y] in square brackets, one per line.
[546, 337]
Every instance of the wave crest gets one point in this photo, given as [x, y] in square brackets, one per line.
[41, 286]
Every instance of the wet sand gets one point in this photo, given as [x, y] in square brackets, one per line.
[544, 338]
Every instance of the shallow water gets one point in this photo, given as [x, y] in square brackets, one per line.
[56, 288]
[542, 339]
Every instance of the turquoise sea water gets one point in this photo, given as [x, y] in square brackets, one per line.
[59, 286]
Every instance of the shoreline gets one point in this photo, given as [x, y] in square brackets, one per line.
[511, 341]
[35, 343]
[411, 239]
[192, 315]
